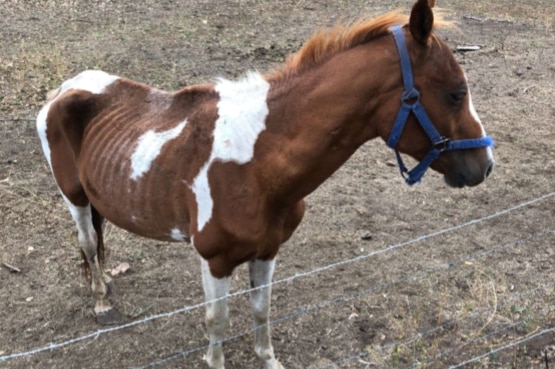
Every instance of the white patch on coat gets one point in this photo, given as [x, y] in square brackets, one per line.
[93, 81]
[148, 148]
[476, 117]
[261, 272]
[217, 314]
[177, 235]
[41, 129]
[473, 112]
[242, 112]
[214, 288]
[201, 189]
[82, 216]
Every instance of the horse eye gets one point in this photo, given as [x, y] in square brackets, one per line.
[458, 96]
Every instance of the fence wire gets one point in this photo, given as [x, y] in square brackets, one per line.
[344, 298]
[96, 334]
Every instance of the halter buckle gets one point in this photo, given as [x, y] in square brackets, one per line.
[410, 97]
[442, 144]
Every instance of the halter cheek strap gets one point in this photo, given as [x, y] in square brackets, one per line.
[410, 100]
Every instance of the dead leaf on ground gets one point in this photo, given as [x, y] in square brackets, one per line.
[120, 269]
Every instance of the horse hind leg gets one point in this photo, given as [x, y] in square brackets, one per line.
[89, 228]
[60, 134]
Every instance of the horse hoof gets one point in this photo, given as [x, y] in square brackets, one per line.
[109, 317]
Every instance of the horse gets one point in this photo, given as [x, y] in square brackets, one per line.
[226, 165]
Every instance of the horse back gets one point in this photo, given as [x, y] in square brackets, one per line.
[133, 150]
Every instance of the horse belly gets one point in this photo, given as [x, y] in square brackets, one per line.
[152, 205]
[151, 213]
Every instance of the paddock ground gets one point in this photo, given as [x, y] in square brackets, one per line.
[392, 308]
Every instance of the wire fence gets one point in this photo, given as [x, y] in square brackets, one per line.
[343, 298]
[320, 305]
[30, 119]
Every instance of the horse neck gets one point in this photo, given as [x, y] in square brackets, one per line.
[319, 118]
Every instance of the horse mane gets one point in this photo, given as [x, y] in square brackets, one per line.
[343, 36]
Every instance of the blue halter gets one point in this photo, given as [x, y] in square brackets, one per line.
[439, 143]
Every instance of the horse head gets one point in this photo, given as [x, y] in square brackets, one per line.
[437, 123]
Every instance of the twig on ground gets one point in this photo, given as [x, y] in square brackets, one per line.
[471, 17]
[466, 48]
[11, 268]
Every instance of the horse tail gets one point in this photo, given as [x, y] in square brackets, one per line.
[98, 221]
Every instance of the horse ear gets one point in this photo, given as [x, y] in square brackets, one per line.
[421, 21]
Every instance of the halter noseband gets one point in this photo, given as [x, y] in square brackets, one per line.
[439, 142]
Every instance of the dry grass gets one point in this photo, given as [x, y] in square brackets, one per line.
[435, 328]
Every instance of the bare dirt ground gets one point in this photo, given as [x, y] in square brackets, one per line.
[431, 303]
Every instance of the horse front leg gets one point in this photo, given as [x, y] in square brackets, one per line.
[261, 272]
[217, 314]
[89, 227]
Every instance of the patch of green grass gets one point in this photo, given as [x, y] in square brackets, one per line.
[538, 44]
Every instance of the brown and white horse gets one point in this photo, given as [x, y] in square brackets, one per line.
[226, 166]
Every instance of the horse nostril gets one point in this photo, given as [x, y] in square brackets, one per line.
[489, 170]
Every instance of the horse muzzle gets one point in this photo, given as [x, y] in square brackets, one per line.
[470, 173]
